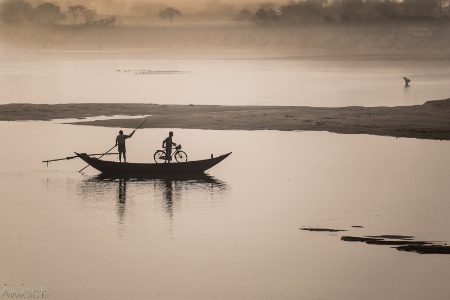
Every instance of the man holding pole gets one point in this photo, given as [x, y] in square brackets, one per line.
[120, 142]
[120, 139]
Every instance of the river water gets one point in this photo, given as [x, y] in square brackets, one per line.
[234, 234]
[50, 78]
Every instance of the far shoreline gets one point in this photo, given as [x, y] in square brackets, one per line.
[427, 121]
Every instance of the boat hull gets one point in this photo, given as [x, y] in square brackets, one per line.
[182, 168]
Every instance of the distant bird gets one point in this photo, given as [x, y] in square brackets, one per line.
[407, 81]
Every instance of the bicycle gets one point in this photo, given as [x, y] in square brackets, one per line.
[178, 154]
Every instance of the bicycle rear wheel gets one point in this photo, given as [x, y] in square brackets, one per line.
[180, 156]
[159, 156]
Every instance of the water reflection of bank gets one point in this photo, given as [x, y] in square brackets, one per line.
[169, 191]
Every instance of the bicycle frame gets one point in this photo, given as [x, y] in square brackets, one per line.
[178, 154]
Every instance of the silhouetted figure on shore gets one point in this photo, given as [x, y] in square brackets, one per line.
[167, 145]
[120, 142]
[407, 81]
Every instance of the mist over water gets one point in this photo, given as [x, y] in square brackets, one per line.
[272, 82]
[232, 64]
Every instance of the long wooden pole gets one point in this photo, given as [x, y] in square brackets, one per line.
[100, 157]
[140, 125]
[115, 145]
[72, 157]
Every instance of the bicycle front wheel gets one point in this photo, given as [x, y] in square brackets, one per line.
[180, 156]
[159, 156]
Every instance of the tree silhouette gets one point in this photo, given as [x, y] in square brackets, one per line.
[262, 16]
[266, 16]
[76, 11]
[170, 13]
[50, 13]
[15, 11]
[420, 8]
[303, 11]
[244, 15]
[88, 15]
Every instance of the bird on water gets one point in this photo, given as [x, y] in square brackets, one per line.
[407, 81]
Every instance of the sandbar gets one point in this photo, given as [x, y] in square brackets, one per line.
[427, 121]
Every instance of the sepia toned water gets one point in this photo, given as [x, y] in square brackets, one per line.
[51, 78]
[235, 233]
[231, 235]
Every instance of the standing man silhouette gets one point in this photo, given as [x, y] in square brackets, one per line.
[120, 141]
[167, 145]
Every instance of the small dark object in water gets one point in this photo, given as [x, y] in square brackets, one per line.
[407, 81]
[425, 249]
[322, 229]
[358, 226]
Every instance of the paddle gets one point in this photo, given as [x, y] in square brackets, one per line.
[115, 145]
[72, 157]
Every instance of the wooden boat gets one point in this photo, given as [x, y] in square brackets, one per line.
[181, 168]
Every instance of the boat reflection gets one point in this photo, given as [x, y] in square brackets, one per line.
[168, 189]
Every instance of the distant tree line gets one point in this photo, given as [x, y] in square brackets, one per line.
[265, 13]
[48, 13]
[21, 12]
[339, 11]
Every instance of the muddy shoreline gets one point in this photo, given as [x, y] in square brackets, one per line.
[427, 121]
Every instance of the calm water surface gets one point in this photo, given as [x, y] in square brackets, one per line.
[232, 235]
[225, 82]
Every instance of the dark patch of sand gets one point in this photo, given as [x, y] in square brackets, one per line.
[393, 237]
[401, 242]
[358, 239]
[427, 121]
[379, 240]
[426, 249]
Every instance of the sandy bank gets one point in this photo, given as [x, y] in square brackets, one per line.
[427, 121]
